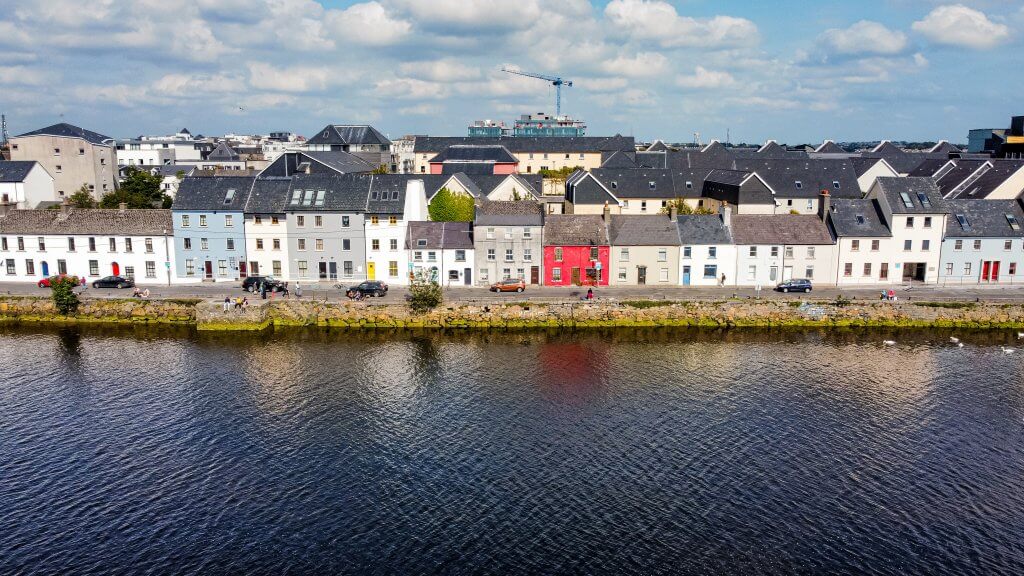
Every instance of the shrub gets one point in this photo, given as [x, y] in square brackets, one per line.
[646, 303]
[424, 296]
[953, 305]
[62, 290]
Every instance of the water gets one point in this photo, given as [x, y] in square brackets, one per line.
[647, 452]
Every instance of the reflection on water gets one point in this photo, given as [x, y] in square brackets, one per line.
[638, 451]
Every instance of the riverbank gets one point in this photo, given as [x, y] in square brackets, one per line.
[210, 315]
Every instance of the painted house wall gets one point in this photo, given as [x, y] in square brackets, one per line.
[264, 259]
[575, 257]
[863, 254]
[965, 265]
[756, 269]
[639, 206]
[800, 205]
[917, 235]
[699, 257]
[1011, 188]
[224, 235]
[448, 267]
[332, 234]
[526, 245]
[80, 162]
[880, 169]
[144, 262]
[661, 263]
[35, 188]
[386, 257]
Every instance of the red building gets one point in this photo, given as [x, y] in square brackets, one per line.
[576, 250]
[474, 159]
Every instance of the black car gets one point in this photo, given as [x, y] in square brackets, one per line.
[796, 285]
[252, 284]
[368, 288]
[113, 282]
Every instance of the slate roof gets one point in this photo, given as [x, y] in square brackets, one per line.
[943, 147]
[650, 159]
[930, 166]
[985, 219]
[519, 144]
[829, 147]
[891, 189]
[490, 153]
[813, 175]
[223, 153]
[703, 229]
[343, 162]
[955, 177]
[862, 165]
[349, 134]
[858, 218]
[15, 170]
[638, 230]
[66, 130]
[657, 146]
[524, 213]
[386, 193]
[993, 178]
[209, 192]
[780, 229]
[340, 193]
[439, 235]
[637, 183]
[131, 222]
[268, 195]
[575, 230]
[619, 160]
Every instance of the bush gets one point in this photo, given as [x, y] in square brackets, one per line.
[424, 296]
[62, 290]
[952, 305]
[646, 303]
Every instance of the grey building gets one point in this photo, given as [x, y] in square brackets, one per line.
[209, 228]
[983, 244]
[324, 227]
[508, 241]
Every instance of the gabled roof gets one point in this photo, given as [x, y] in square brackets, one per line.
[657, 146]
[620, 160]
[658, 160]
[980, 186]
[943, 147]
[575, 230]
[524, 213]
[636, 183]
[349, 134]
[342, 162]
[475, 153]
[931, 166]
[520, 144]
[805, 178]
[702, 229]
[862, 165]
[327, 193]
[779, 229]
[223, 153]
[911, 195]
[210, 193]
[858, 218]
[130, 222]
[829, 147]
[985, 219]
[637, 230]
[15, 170]
[727, 177]
[65, 130]
[439, 236]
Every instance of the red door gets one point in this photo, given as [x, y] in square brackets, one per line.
[984, 271]
[115, 269]
[241, 270]
[994, 273]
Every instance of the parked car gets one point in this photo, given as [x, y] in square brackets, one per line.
[252, 284]
[368, 288]
[45, 282]
[509, 285]
[796, 285]
[113, 282]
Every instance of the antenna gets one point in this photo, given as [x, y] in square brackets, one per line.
[727, 139]
[4, 136]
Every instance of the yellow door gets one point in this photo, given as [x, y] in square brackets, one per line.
[371, 270]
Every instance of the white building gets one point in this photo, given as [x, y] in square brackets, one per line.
[707, 251]
[771, 248]
[394, 201]
[135, 244]
[864, 242]
[916, 214]
[441, 252]
[25, 183]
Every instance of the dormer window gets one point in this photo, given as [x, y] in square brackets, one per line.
[835, 184]
[799, 185]
[651, 185]
[689, 185]
[229, 196]
[615, 185]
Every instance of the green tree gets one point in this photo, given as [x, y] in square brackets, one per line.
[683, 208]
[62, 289]
[381, 169]
[448, 206]
[424, 296]
[139, 189]
[82, 198]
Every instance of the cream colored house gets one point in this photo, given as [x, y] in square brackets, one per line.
[645, 250]
[73, 156]
[916, 214]
[533, 154]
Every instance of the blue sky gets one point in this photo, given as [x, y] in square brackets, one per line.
[794, 71]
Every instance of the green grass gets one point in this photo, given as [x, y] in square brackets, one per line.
[951, 305]
[647, 303]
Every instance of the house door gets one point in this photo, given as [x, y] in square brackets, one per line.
[773, 273]
[994, 276]
[371, 270]
[686, 275]
[787, 273]
[883, 271]
[208, 268]
[115, 269]
[641, 275]
[467, 276]
[46, 269]
[576, 276]
[535, 275]
[985, 266]
[332, 270]
[242, 270]
[322, 270]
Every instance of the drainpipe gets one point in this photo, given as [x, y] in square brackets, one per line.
[167, 257]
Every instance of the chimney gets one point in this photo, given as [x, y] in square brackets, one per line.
[824, 204]
[607, 211]
[726, 213]
[673, 212]
[65, 207]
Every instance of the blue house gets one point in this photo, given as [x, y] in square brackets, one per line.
[209, 228]
[983, 244]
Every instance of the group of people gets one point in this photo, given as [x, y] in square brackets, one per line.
[888, 295]
[140, 293]
[239, 303]
[266, 287]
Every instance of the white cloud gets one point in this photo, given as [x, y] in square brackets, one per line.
[703, 78]
[411, 89]
[421, 110]
[368, 23]
[290, 78]
[864, 37]
[24, 76]
[473, 14]
[445, 70]
[959, 25]
[643, 64]
[197, 85]
[659, 21]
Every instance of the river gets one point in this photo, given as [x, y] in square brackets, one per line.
[627, 452]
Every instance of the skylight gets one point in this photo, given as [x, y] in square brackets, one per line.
[229, 196]
[319, 198]
[924, 200]
[906, 200]
[860, 219]
[651, 185]
[799, 185]
[835, 184]
[296, 196]
[1012, 220]
[307, 198]
[963, 221]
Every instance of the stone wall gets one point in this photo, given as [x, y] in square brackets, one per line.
[35, 309]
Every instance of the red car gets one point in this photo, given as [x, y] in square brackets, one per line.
[45, 282]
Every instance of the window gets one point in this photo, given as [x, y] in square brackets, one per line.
[21, 244]
[860, 219]
[3, 243]
[508, 234]
[374, 220]
[874, 245]
[809, 272]
[257, 220]
[151, 269]
[622, 274]
[460, 255]
[854, 245]
[967, 269]
[94, 267]
[56, 151]
[810, 252]
[556, 273]
[392, 220]
[926, 245]
[977, 244]
[319, 245]
[490, 233]
[799, 185]
[318, 200]
[949, 268]
[615, 185]
[92, 244]
[346, 268]
[375, 244]
[848, 269]
[187, 243]
[318, 221]
[301, 244]
[527, 233]
[490, 254]
[431, 256]
[710, 271]
[204, 244]
[867, 269]
[509, 255]
[907, 245]
[593, 253]
[394, 244]
[789, 251]
[643, 206]
[753, 251]
[58, 168]
[835, 184]
[527, 254]
[259, 243]
[42, 244]
[344, 221]
[307, 198]
[275, 265]
[923, 199]
[1013, 268]
[651, 185]
[303, 268]
[810, 205]
[689, 185]
[393, 268]
[907, 202]
[910, 221]
[127, 244]
[663, 255]
[958, 245]
[81, 151]
[190, 267]
[687, 250]
[483, 274]
[113, 244]
[30, 268]
[71, 244]
[775, 251]
[202, 220]
[751, 272]
[229, 196]
[558, 254]
[927, 221]
[11, 271]
[624, 254]
[1008, 245]
[1012, 221]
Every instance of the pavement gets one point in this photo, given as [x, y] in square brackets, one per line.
[327, 292]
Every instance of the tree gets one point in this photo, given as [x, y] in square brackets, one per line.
[683, 208]
[139, 189]
[448, 206]
[82, 198]
[62, 289]
[381, 169]
[424, 296]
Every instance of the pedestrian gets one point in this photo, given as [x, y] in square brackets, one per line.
[284, 290]
[892, 294]
[245, 303]
[227, 303]
[590, 293]
[721, 281]
[298, 290]
[263, 290]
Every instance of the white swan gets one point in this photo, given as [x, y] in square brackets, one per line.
[954, 339]
[888, 342]
[1007, 350]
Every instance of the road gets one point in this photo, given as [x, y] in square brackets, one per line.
[556, 294]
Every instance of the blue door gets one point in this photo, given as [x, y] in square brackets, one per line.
[686, 275]
[46, 269]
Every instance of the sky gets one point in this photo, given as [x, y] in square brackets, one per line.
[791, 70]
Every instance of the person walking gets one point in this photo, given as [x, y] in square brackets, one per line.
[263, 289]
[298, 290]
[227, 303]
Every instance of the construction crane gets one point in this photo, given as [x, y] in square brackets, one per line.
[556, 81]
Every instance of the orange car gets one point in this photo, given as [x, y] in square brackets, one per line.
[509, 285]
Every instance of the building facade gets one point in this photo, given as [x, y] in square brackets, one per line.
[73, 156]
[508, 241]
[209, 229]
[983, 244]
[577, 250]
